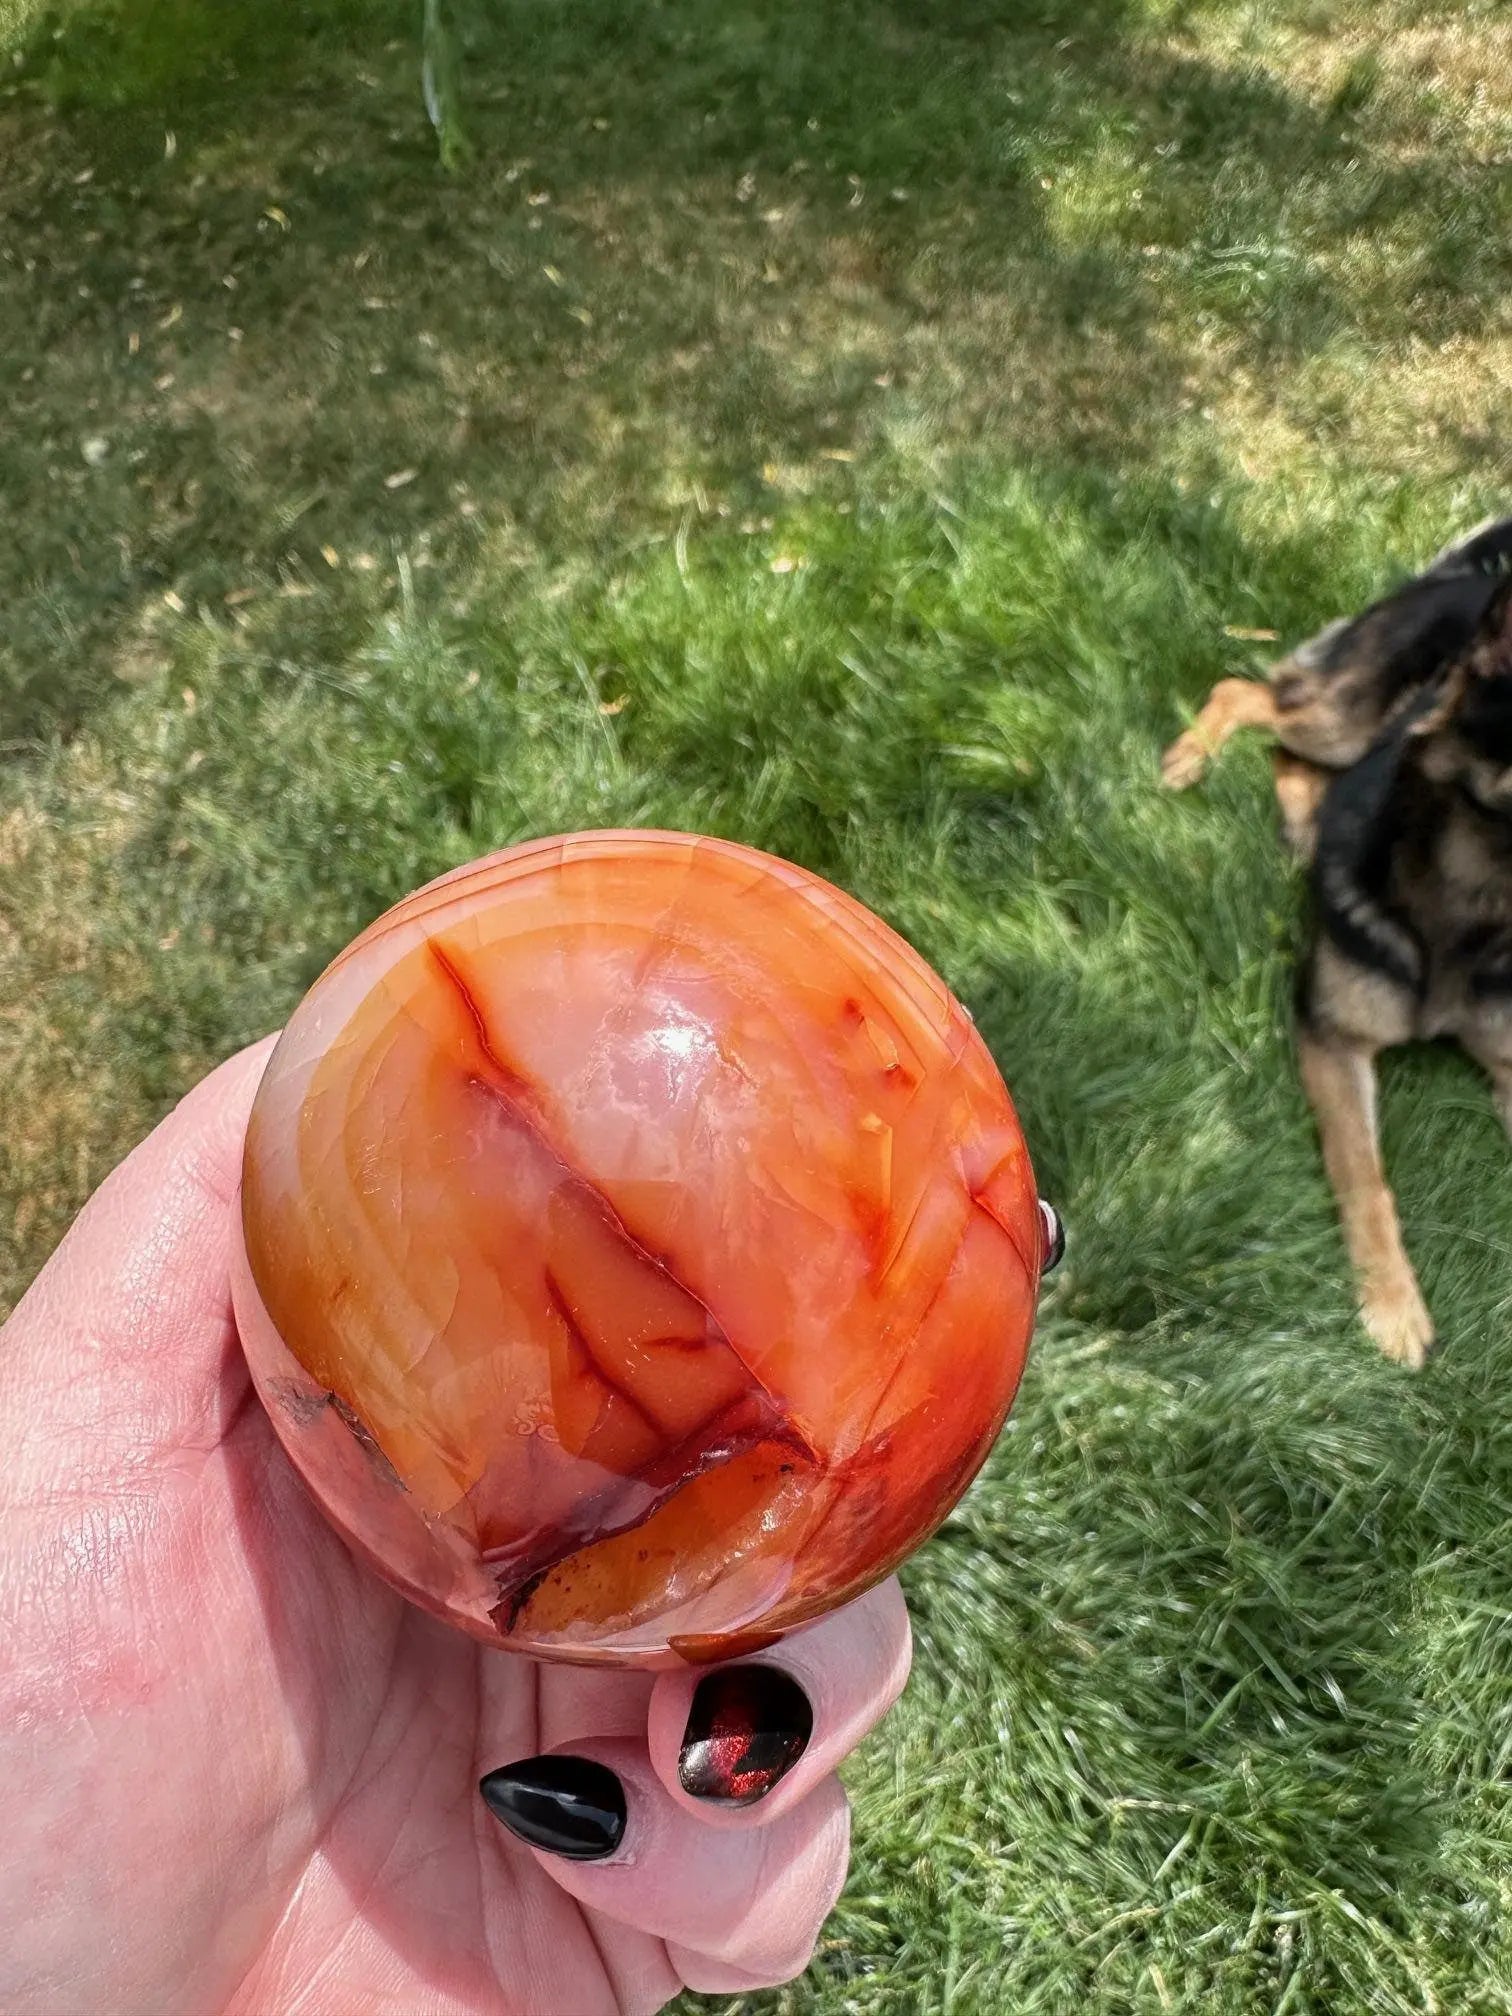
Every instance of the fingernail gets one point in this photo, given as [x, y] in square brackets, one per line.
[1055, 1237]
[567, 1805]
[747, 1728]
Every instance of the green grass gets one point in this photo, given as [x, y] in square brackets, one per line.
[865, 451]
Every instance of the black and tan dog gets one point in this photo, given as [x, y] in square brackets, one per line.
[1394, 776]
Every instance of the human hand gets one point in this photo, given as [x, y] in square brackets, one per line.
[242, 1774]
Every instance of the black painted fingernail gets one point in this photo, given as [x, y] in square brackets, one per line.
[747, 1728]
[1055, 1237]
[567, 1805]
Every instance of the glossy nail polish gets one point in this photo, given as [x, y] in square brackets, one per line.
[747, 1728]
[567, 1805]
[1055, 1238]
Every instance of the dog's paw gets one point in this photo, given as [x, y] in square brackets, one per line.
[1401, 1326]
[1184, 762]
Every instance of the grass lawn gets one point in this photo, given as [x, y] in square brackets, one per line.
[859, 430]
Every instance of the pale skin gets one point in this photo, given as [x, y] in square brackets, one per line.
[241, 1773]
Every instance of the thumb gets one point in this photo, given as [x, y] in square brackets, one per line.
[123, 1338]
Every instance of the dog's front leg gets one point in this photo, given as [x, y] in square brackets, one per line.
[1300, 790]
[1339, 1078]
[1232, 704]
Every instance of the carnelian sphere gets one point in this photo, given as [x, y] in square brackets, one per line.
[640, 1247]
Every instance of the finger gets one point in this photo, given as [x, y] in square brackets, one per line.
[133, 1309]
[575, 1702]
[745, 1743]
[737, 1909]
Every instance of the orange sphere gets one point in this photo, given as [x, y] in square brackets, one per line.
[640, 1247]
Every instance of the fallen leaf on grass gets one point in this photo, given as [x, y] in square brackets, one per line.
[1249, 636]
[399, 478]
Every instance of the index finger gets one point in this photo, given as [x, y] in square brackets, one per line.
[741, 1744]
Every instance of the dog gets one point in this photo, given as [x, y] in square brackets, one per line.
[1393, 771]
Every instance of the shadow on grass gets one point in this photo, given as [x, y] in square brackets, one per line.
[1199, 1548]
[677, 294]
[253, 325]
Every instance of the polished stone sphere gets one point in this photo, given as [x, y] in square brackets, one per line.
[640, 1247]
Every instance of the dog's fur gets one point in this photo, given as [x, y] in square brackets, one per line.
[1394, 776]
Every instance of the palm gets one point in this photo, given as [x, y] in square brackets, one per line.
[373, 1725]
[258, 1787]
[242, 1774]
